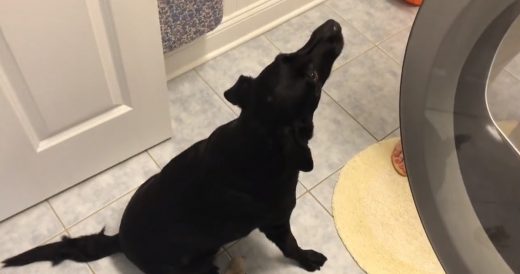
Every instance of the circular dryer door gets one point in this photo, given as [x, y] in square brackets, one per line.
[460, 114]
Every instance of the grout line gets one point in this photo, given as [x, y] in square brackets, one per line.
[221, 251]
[46, 240]
[348, 21]
[102, 207]
[322, 206]
[321, 182]
[49, 238]
[272, 43]
[326, 3]
[514, 75]
[90, 268]
[394, 35]
[351, 116]
[302, 194]
[391, 132]
[333, 99]
[362, 32]
[264, 36]
[401, 66]
[214, 91]
[228, 254]
[387, 53]
[372, 46]
[230, 245]
[57, 216]
[305, 189]
[40, 243]
[153, 159]
[337, 233]
[354, 58]
[390, 56]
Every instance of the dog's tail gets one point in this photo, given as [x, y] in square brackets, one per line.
[81, 249]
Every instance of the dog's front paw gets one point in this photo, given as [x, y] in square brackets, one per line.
[311, 260]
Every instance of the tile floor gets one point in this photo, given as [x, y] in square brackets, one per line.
[345, 124]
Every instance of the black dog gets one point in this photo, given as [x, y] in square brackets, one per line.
[241, 178]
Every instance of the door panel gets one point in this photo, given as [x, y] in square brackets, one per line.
[71, 57]
[82, 87]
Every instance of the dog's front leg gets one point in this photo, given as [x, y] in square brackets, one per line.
[282, 236]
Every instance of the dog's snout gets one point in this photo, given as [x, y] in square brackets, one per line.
[328, 36]
[333, 26]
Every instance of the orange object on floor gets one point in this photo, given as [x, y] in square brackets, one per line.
[398, 159]
[414, 2]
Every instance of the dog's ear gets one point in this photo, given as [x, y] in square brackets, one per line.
[237, 94]
[297, 150]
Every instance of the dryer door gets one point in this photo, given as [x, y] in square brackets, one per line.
[460, 109]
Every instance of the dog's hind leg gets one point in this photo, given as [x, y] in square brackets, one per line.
[282, 236]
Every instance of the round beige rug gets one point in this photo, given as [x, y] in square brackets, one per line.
[376, 217]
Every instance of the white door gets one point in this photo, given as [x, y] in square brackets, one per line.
[82, 87]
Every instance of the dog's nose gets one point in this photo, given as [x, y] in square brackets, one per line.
[332, 26]
[336, 27]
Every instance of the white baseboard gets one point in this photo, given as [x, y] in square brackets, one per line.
[236, 29]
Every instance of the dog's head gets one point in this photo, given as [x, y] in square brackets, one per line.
[287, 92]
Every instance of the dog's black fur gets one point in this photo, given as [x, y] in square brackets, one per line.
[242, 177]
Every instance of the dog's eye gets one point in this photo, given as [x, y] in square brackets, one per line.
[314, 76]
